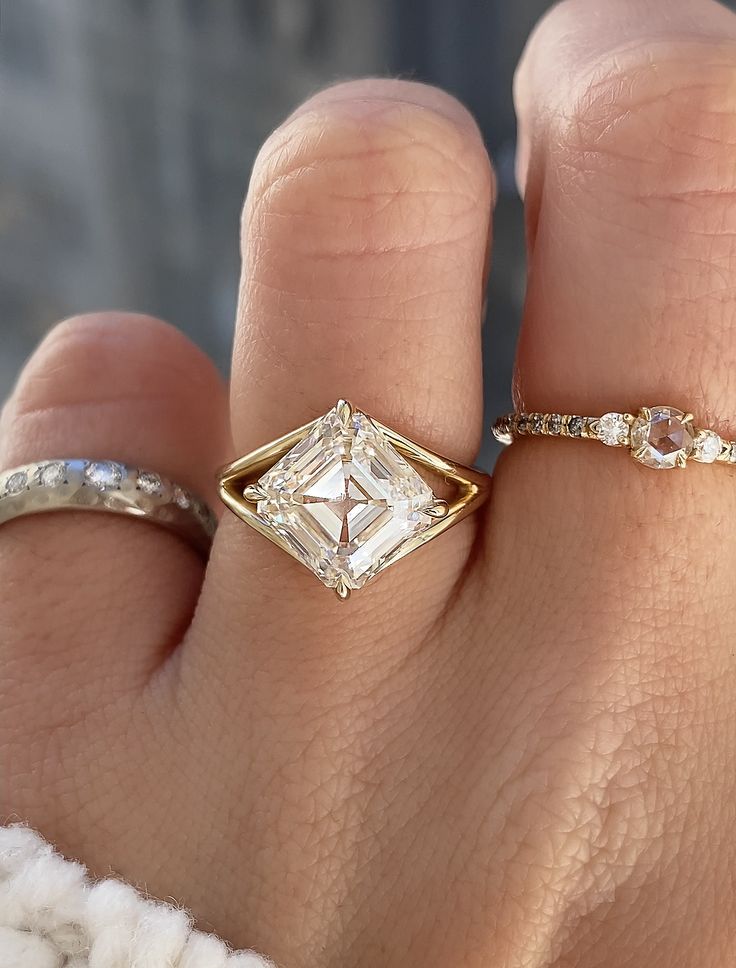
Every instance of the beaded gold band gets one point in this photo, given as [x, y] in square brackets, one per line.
[659, 437]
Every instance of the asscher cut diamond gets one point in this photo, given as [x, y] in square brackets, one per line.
[344, 500]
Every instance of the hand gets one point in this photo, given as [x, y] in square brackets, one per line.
[517, 748]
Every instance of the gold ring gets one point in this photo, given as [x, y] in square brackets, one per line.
[657, 437]
[343, 495]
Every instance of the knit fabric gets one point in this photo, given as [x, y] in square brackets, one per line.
[53, 916]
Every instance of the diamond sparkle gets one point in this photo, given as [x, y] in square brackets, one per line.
[148, 482]
[344, 499]
[662, 438]
[707, 447]
[103, 474]
[16, 483]
[612, 429]
[51, 475]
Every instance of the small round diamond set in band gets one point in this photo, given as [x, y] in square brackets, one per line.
[660, 437]
[106, 485]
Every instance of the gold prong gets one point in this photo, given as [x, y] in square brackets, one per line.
[681, 460]
[437, 510]
[344, 412]
[342, 589]
[640, 453]
[688, 418]
[629, 418]
[646, 412]
[253, 493]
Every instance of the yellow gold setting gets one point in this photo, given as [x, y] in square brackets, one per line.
[347, 496]
[659, 437]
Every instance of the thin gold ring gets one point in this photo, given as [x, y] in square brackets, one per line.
[344, 496]
[661, 437]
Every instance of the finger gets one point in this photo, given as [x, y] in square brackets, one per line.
[619, 578]
[92, 597]
[626, 124]
[364, 238]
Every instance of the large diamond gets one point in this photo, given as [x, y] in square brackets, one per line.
[344, 499]
[660, 438]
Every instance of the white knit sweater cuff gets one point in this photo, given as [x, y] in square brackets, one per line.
[53, 916]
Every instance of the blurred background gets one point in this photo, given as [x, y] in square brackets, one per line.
[128, 129]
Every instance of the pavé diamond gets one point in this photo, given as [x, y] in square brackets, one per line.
[16, 483]
[181, 498]
[148, 482]
[661, 438]
[344, 499]
[52, 474]
[536, 422]
[707, 447]
[103, 474]
[612, 429]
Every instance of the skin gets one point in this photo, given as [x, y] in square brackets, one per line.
[516, 749]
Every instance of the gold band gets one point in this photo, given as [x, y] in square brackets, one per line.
[661, 437]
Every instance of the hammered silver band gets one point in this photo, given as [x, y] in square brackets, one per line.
[73, 484]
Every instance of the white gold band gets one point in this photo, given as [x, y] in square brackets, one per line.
[104, 485]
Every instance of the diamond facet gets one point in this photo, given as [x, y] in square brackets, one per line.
[612, 429]
[707, 447]
[52, 474]
[181, 498]
[661, 438]
[536, 422]
[343, 499]
[575, 426]
[148, 482]
[16, 483]
[103, 474]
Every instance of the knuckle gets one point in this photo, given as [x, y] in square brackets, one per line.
[353, 175]
[653, 123]
[99, 357]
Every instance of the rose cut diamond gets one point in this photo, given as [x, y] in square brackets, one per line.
[662, 438]
[343, 499]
